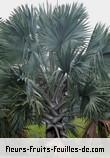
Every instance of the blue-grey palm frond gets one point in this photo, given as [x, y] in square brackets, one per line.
[95, 100]
[66, 24]
[14, 100]
[97, 47]
[17, 33]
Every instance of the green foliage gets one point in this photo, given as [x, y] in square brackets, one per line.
[35, 131]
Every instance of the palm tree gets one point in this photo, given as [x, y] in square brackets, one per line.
[51, 66]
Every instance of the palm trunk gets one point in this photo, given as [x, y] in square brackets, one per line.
[54, 125]
[55, 131]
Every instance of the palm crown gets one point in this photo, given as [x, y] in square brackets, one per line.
[52, 68]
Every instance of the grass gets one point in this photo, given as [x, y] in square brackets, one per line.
[80, 125]
[36, 131]
[39, 132]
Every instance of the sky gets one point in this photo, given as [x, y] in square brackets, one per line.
[99, 10]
